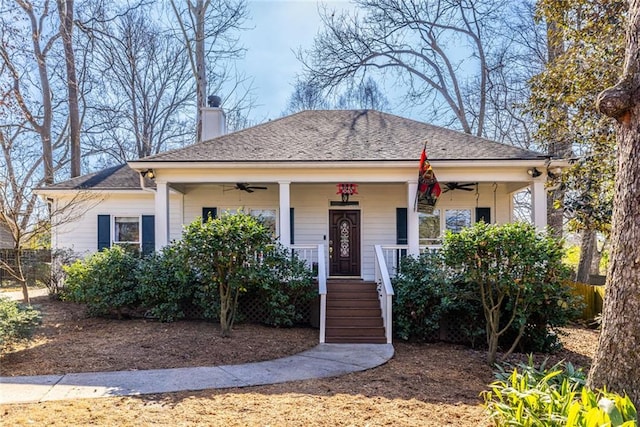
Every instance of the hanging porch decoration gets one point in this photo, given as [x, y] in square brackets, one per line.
[428, 186]
[345, 190]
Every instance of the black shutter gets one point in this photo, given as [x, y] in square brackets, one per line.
[148, 234]
[483, 214]
[104, 231]
[291, 224]
[401, 226]
[206, 212]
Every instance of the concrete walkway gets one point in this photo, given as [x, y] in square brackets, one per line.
[324, 360]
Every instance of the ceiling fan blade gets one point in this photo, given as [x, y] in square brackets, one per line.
[253, 187]
[450, 186]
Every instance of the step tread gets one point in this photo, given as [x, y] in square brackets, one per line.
[352, 301]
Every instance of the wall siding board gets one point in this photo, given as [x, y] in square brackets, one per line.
[377, 202]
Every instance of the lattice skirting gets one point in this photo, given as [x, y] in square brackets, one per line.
[250, 310]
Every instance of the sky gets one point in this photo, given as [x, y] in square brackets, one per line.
[279, 29]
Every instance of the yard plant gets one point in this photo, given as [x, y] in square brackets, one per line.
[17, 322]
[519, 277]
[504, 282]
[555, 396]
[428, 295]
[207, 271]
[105, 281]
[228, 253]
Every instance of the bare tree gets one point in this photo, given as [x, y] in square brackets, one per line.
[431, 47]
[365, 94]
[145, 88]
[32, 21]
[617, 361]
[307, 95]
[66, 12]
[21, 210]
[208, 31]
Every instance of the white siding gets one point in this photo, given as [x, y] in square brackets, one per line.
[224, 197]
[311, 203]
[6, 240]
[81, 234]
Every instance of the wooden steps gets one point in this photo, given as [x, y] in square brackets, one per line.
[353, 312]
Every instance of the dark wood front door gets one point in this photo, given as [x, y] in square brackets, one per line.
[344, 243]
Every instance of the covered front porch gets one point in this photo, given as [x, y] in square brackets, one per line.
[359, 238]
[306, 210]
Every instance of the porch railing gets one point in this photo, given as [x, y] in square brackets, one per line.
[314, 257]
[385, 291]
[392, 255]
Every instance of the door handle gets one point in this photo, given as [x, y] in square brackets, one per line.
[330, 249]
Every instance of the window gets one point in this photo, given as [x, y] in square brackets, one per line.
[126, 229]
[267, 216]
[457, 219]
[429, 227]
[209, 212]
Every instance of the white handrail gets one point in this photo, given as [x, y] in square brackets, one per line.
[393, 254]
[385, 292]
[322, 291]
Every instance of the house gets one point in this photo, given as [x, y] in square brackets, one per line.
[339, 187]
[6, 239]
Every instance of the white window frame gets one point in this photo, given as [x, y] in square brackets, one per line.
[114, 234]
[250, 210]
[443, 217]
[443, 223]
[276, 217]
[432, 240]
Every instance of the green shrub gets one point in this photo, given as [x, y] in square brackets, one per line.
[105, 281]
[226, 252]
[426, 294]
[285, 288]
[554, 397]
[520, 282]
[17, 322]
[167, 284]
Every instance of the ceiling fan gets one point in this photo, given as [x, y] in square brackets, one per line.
[450, 186]
[245, 186]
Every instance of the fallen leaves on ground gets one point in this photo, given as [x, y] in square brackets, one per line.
[423, 385]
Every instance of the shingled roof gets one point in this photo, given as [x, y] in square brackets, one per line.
[317, 136]
[343, 135]
[120, 177]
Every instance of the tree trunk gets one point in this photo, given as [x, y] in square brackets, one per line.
[587, 248]
[65, 10]
[596, 260]
[617, 361]
[225, 309]
[559, 146]
[199, 12]
[44, 127]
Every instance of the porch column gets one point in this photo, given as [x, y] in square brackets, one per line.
[413, 220]
[539, 204]
[162, 214]
[285, 218]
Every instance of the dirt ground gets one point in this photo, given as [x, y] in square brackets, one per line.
[423, 385]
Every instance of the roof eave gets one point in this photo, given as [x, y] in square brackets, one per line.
[46, 191]
[356, 164]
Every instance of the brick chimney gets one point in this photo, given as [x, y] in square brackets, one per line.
[214, 121]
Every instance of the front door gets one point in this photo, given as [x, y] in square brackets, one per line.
[344, 243]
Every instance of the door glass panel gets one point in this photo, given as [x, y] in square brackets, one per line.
[344, 238]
